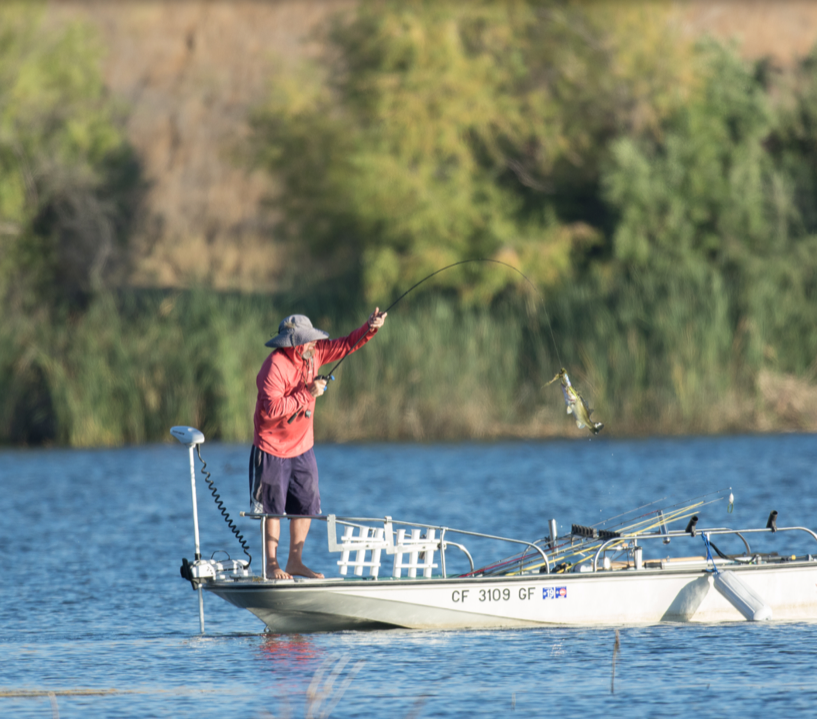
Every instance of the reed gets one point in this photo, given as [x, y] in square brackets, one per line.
[128, 368]
[433, 373]
[656, 354]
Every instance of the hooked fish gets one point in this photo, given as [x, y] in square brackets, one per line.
[576, 406]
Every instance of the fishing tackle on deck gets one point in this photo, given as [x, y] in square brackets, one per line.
[576, 406]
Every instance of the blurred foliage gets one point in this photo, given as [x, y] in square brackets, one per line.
[129, 365]
[69, 181]
[705, 190]
[438, 131]
[715, 192]
[661, 195]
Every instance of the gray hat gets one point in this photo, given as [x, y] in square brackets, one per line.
[295, 330]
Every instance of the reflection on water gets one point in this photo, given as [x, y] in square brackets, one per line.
[297, 652]
[92, 599]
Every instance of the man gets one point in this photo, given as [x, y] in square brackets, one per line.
[283, 470]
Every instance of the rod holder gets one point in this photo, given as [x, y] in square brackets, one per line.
[693, 521]
[663, 526]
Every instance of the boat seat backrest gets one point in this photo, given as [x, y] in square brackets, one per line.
[369, 540]
[361, 546]
[420, 547]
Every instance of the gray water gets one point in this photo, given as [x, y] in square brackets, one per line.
[92, 608]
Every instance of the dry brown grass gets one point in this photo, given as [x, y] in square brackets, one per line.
[189, 71]
[780, 29]
[786, 403]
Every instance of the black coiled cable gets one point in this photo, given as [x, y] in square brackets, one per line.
[220, 505]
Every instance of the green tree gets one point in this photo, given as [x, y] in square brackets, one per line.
[69, 181]
[439, 131]
[786, 291]
[69, 190]
[715, 192]
[706, 189]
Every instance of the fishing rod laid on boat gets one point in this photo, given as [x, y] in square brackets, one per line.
[583, 541]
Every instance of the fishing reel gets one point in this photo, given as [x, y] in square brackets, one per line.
[308, 413]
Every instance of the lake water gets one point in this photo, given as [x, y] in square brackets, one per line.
[93, 610]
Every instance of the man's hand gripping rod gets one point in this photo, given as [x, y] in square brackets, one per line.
[375, 321]
[326, 378]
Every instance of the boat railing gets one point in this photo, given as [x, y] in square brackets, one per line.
[412, 545]
[625, 538]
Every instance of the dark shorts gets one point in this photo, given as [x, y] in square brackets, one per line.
[285, 485]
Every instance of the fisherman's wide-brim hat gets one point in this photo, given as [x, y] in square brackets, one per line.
[296, 330]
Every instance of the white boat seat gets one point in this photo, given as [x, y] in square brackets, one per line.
[369, 541]
[420, 549]
[361, 546]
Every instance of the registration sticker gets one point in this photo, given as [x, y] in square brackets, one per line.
[554, 593]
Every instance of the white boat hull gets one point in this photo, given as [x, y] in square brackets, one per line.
[600, 598]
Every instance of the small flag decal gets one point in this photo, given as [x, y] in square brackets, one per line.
[554, 593]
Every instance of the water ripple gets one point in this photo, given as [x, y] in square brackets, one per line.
[96, 622]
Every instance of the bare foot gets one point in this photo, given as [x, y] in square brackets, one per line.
[296, 568]
[274, 572]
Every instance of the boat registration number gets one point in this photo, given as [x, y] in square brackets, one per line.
[493, 594]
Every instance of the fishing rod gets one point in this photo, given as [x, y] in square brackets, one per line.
[437, 272]
[331, 374]
[628, 516]
[565, 547]
[588, 546]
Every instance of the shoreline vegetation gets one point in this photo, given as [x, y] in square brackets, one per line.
[659, 193]
[130, 367]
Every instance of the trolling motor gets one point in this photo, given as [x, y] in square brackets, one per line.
[192, 438]
[308, 413]
[199, 569]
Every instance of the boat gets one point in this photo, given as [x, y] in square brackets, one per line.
[401, 574]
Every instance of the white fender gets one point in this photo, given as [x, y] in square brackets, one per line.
[746, 600]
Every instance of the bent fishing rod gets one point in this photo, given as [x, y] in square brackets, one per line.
[331, 374]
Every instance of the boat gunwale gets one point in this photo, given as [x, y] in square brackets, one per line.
[622, 575]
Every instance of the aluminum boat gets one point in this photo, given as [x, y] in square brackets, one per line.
[402, 574]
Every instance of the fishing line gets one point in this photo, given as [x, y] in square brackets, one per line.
[664, 509]
[331, 374]
[654, 502]
[448, 267]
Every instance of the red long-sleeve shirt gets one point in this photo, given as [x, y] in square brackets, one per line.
[282, 391]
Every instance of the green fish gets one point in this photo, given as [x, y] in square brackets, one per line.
[576, 406]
